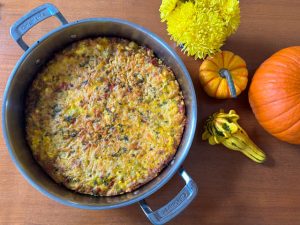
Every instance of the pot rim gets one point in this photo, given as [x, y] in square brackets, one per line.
[177, 163]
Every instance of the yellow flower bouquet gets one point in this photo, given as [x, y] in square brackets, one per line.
[200, 26]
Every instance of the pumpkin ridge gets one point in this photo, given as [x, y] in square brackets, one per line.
[221, 84]
[282, 62]
[208, 70]
[228, 91]
[278, 100]
[237, 88]
[210, 80]
[239, 60]
[272, 66]
[281, 128]
[218, 87]
[208, 59]
[289, 56]
[281, 113]
[228, 61]
[273, 80]
[280, 132]
[235, 83]
[238, 67]
[284, 75]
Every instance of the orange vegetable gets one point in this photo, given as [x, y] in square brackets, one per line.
[223, 75]
[274, 95]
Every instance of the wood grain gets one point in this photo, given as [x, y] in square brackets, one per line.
[232, 189]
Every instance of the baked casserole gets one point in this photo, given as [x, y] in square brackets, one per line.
[104, 116]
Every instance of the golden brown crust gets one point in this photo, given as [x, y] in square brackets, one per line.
[104, 116]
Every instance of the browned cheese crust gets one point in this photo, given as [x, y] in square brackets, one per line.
[104, 116]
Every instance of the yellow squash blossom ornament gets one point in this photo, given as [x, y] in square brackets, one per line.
[200, 26]
[222, 128]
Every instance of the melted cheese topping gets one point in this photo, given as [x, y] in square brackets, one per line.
[104, 116]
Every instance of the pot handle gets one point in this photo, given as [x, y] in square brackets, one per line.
[176, 205]
[32, 18]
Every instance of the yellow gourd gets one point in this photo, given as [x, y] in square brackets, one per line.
[223, 128]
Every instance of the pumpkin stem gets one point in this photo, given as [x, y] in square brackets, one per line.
[226, 74]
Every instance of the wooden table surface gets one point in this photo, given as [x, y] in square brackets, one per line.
[232, 189]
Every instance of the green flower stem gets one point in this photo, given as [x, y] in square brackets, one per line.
[226, 74]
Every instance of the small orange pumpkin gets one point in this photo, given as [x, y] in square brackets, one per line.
[223, 75]
[274, 95]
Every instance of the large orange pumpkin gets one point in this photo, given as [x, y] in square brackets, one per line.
[274, 95]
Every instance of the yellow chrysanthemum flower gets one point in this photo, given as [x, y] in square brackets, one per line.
[166, 8]
[200, 26]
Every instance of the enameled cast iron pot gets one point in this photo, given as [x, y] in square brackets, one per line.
[29, 65]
